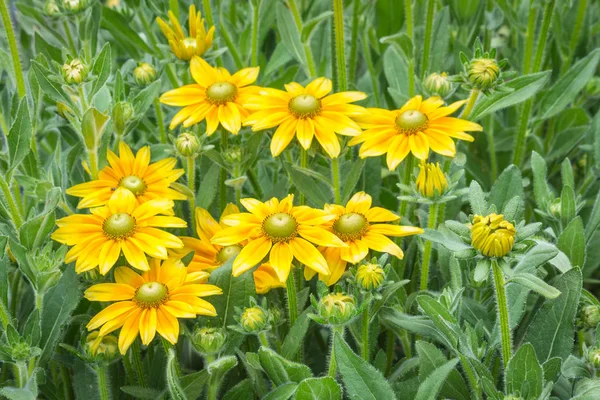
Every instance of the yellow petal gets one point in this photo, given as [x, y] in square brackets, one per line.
[110, 313]
[308, 255]
[167, 325]
[148, 325]
[283, 135]
[109, 292]
[281, 260]
[129, 332]
[251, 255]
[320, 87]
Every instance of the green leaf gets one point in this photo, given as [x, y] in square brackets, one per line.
[551, 331]
[282, 392]
[541, 191]
[429, 388]
[477, 199]
[593, 221]
[574, 368]
[536, 284]
[325, 388]
[309, 26]
[101, 69]
[566, 173]
[552, 369]
[519, 90]
[417, 324]
[443, 320]
[307, 186]
[563, 92]
[430, 358]
[145, 98]
[193, 384]
[440, 40]
[19, 136]
[295, 337]
[173, 383]
[538, 255]
[139, 392]
[290, 35]
[51, 88]
[507, 186]
[222, 365]
[396, 73]
[93, 127]
[207, 191]
[352, 178]
[59, 303]
[567, 204]
[281, 370]
[448, 239]
[587, 389]
[242, 391]
[122, 31]
[572, 242]
[361, 380]
[236, 292]
[524, 373]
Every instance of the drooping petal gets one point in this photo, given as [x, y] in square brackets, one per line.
[251, 255]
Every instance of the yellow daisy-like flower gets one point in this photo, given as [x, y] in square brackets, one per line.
[359, 226]
[306, 113]
[278, 228]
[492, 235]
[134, 173]
[149, 303]
[265, 279]
[207, 255]
[185, 47]
[418, 126]
[120, 226]
[217, 96]
[431, 180]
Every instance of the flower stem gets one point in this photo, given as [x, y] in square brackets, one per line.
[93, 154]
[531, 20]
[292, 300]
[428, 37]
[15, 213]
[296, 14]
[470, 103]
[408, 167]
[340, 53]
[433, 211]
[103, 386]
[502, 312]
[410, 33]
[255, 183]
[332, 371]
[209, 22]
[238, 188]
[521, 138]
[191, 170]
[254, 52]
[354, 41]
[335, 171]
[364, 350]
[160, 121]
[471, 377]
[262, 337]
[14, 51]
[303, 164]
[223, 174]
[137, 363]
[576, 33]
[492, 147]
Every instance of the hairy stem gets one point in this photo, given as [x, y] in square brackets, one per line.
[433, 211]
[340, 53]
[364, 349]
[335, 172]
[502, 312]
[428, 37]
[292, 300]
[137, 363]
[14, 50]
[103, 386]
[332, 370]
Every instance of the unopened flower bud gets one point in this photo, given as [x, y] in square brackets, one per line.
[370, 276]
[101, 346]
[438, 84]
[187, 144]
[74, 72]
[337, 308]
[483, 72]
[593, 357]
[209, 340]
[233, 154]
[51, 8]
[275, 316]
[431, 181]
[75, 5]
[590, 315]
[592, 87]
[492, 235]
[253, 319]
[555, 208]
[144, 74]
[121, 115]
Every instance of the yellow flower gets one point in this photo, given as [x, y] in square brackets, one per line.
[121, 225]
[358, 226]
[265, 279]
[101, 345]
[492, 235]
[431, 180]
[418, 126]
[207, 255]
[278, 228]
[483, 72]
[217, 96]
[149, 303]
[185, 47]
[134, 173]
[306, 112]
[369, 276]
[253, 319]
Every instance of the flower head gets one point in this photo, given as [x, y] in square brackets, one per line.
[74, 71]
[195, 44]
[359, 226]
[120, 226]
[265, 279]
[483, 72]
[187, 144]
[431, 181]
[492, 235]
[590, 315]
[144, 74]
[217, 96]
[209, 340]
[369, 276]
[253, 319]
[438, 84]
[149, 303]
[280, 230]
[336, 308]
[103, 346]
[306, 112]
[144, 180]
[417, 127]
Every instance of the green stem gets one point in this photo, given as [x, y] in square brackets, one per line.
[233, 49]
[137, 363]
[370, 67]
[521, 138]
[389, 352]
[292, 299]
[93, 155]
[14, 50]
[296, 14]
[129, 374]
[21, 374]
[255, 183]
[69, 36]
[340, 53]
[303, 164]
[223, 174]
[332, 371]
[191, 180]
[364, 350]
[4, 316]
[354, 41]
[160, 121]
[101, 372]
[492, 147]
[431, 224]
[470, 103]
[581, 11]
[502, 312]
[471, 377]
[172, 75]
[254, 52]
[13, 209]
[408, 167]
[335, 172]
[166, 346]
[238, 189]
[530, 36]
[428, 37]
[262, 337]
[66, 382]
[410, 33]
[208, 15]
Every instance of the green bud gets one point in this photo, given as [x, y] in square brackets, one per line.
[483, 72]
[369, 276]
[101, 347]
[253, 319]
[121, 115]
[590, 315]
[51, 8]
[21, 351]
[592, 87]
[209, 340]
[74, 72]
[337, 308]
[233, 154]
[75, 6]
[275, 316]
[555, 208]
[144, 74]
[187, 144]
[593, 357]
[438, 84]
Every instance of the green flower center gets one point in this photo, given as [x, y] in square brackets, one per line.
[305, 105]
[119, 226]
[151, 295]
[228, 252]
[134, 184]
[350, 226]
[189, 43]
[411, 121]
[221, 92]
[280, 227]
